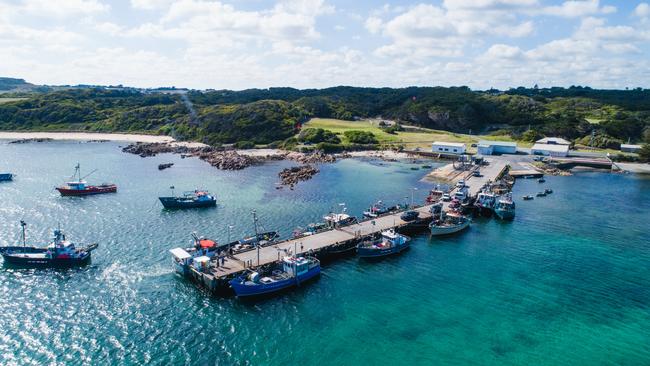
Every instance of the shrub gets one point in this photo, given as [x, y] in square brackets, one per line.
[360, 137]
[316, 135]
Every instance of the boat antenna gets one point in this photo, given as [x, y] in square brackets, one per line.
[23, 224]
[172, 188]
[87, 175]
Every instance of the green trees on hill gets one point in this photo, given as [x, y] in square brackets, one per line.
[263, 116]
[360, 137]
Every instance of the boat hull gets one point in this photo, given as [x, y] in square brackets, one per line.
[378, 253]
[88, 191]
[17, 259]
[172, 203]
[447, 230]
[5, 177]
[245, 290]
[504, 215]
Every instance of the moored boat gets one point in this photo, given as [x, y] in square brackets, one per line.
[541, 194]
[195, 199]
[335, 220]
[548, 191]
[528, 197]
[291, 272]
[4, 177]
[59, 253]
[485, 202]
[449, 223]
[390, 242]
[435, 195]
[379, 209]
[505, 207]
[79, 187]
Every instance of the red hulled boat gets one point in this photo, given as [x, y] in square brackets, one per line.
[79, 187]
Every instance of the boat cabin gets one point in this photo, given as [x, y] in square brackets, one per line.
[295, 266]
[180, 256]
[78, 185]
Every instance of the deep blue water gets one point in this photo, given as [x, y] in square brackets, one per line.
[567, 282]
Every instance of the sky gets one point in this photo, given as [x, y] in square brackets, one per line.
[243, 44]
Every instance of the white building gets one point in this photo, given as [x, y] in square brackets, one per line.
[630, 148]
[448, 147]
[553, 141]
[496, 147]
[550, 150]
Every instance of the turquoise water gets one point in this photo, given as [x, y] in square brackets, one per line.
[568, 282]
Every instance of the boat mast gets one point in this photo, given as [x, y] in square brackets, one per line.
[257, 239]
[23, 224]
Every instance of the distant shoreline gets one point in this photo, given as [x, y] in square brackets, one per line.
[84, 136]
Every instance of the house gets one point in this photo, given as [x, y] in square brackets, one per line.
[448, 147]
[496, 147]
[556, 150]
[630, 148]
[553, 141]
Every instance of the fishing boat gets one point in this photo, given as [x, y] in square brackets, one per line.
[291, 272]
[435, 195]
[334, 220]
[311, 229]
[183, 258]
[379, 209]
[390, 242]
[449, 223]
[485, 202]
[59, 253]
[79, 187]
[528, 197]
[4, 177]
[505, 207]
[195, 199]
[259, 239]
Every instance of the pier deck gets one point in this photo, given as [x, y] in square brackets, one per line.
[317, 242]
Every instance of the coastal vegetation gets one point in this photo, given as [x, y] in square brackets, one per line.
[275, 116]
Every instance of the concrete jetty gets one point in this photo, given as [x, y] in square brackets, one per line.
[218, 274]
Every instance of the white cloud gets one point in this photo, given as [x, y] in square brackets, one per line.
[61, 8]
[150, 4]
[578, 8]
[373, 24]
[642, 10]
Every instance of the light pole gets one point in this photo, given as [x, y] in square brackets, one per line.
[412, 194]
[229, 241]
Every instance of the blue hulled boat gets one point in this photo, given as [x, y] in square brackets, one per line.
[389, 243]
[195, 199]
[6, 177]
[291, 272]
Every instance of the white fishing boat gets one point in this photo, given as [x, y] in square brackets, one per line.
[449, 223]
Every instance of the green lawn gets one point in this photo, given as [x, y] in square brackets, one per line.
[412, 139]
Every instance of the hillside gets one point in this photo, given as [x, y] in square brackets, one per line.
[262, 116]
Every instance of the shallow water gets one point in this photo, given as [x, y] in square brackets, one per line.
[566, 282]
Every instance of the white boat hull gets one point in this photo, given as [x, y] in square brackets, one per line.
[446, 230]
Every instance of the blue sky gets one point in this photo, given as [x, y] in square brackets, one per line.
[320, 43]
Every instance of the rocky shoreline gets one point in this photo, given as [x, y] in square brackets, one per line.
[291, 176]
[225, 159]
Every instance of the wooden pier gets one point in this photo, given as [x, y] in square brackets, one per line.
[218, 274]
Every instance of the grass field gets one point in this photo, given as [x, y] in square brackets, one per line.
[411, 139]
[8, 100]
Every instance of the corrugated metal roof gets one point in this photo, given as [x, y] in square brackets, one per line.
[553, 140]
[497, 143]
[456, 144]
[551, 147]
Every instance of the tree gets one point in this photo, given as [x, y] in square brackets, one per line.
[644, 153]
[531, 135]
